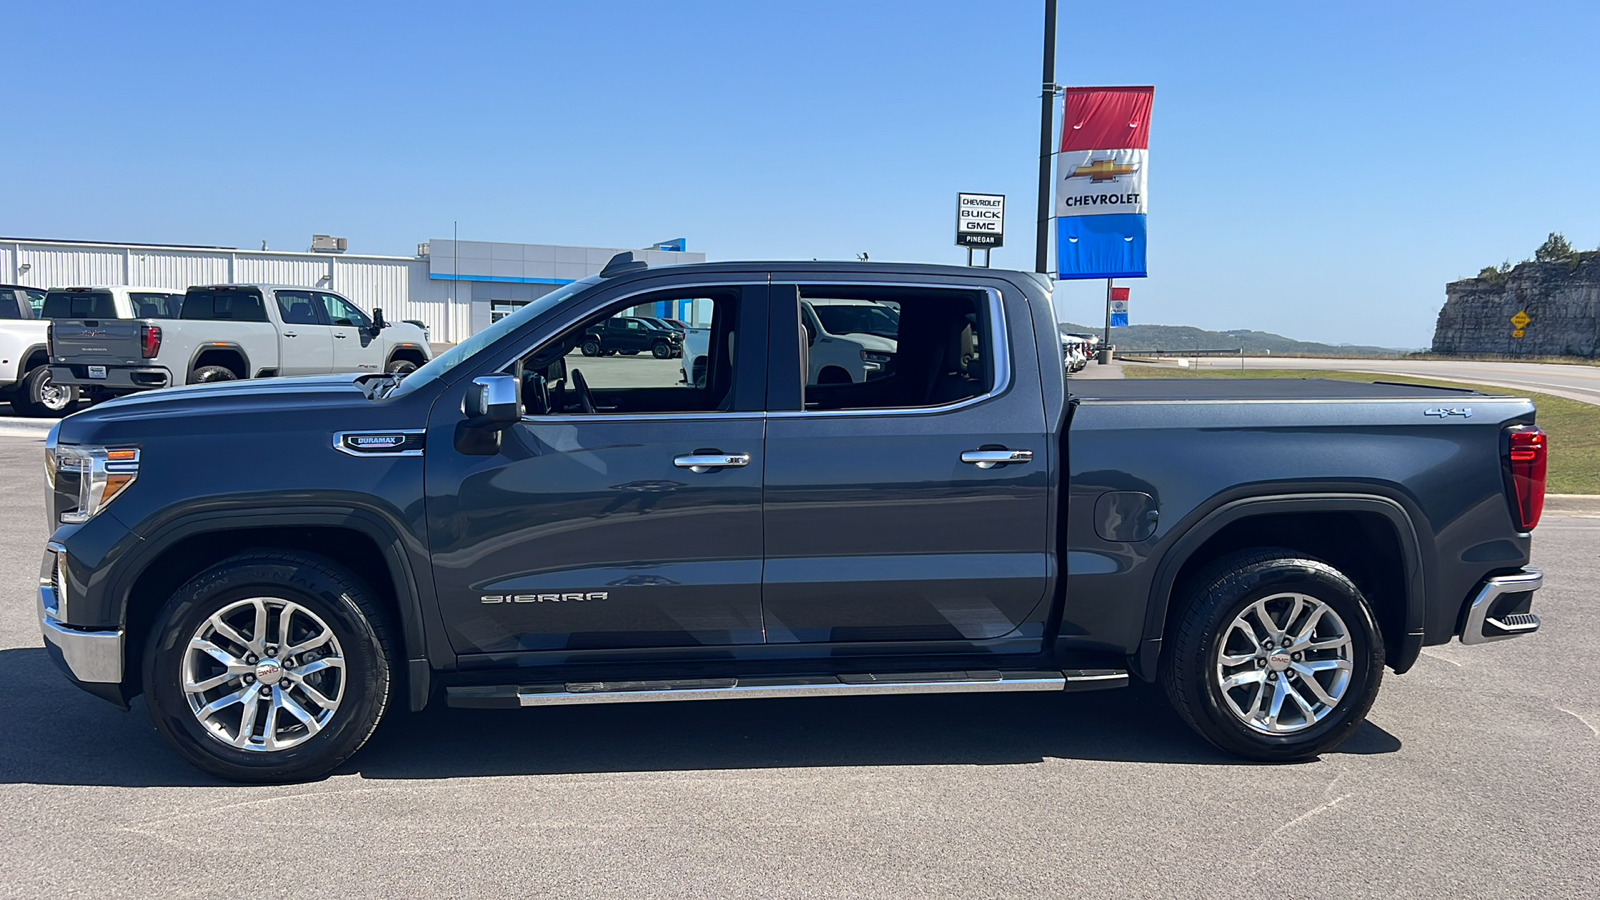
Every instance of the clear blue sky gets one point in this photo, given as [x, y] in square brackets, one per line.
[1316, 170]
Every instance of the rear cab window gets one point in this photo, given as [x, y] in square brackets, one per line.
[224, 304]
[80, 304]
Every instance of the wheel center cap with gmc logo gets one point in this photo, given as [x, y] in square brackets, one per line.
[1279, 661]
[268, 671]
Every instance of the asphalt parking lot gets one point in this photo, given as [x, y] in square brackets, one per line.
[1477, 776]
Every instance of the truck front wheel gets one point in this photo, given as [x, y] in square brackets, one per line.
[1275, 657]
[271, 666]
[591, 347]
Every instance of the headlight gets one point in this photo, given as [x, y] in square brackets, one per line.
[882, 358]
[84, 479]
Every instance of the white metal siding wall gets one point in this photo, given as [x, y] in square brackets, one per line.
[176, 268]
[67, 267]
[257, 268]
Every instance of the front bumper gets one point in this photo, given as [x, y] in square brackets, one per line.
[91, 656]
[118, 378]
[1502, 608]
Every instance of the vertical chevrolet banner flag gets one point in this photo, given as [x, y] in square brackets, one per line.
[1100, 182]
[1119, 307]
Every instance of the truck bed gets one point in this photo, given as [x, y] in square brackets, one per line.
[1168, 390]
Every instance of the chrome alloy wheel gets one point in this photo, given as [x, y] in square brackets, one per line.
[1284, 663]
[263, 674]
[52, 396]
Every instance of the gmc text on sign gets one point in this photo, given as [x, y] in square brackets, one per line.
[980, 220]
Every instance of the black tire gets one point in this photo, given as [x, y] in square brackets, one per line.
[328, 591]
[591, 347]
[211, 374]
[1190, 670]
[661, 350]
[402, 366]
[38, 397]
[833, 375]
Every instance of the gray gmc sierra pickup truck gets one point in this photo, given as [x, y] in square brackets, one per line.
[272, 563]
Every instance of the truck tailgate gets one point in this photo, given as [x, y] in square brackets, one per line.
[98, 341]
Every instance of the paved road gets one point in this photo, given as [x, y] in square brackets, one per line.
[1575, 382]
[1478, 776]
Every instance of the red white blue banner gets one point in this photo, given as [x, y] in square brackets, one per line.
[1101, 182]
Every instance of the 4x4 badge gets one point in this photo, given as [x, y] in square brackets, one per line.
[1443, 412]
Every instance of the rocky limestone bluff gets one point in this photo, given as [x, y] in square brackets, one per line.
[1562, 300]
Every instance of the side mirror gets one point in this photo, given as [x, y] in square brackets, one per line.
[493, 402]
[377, 318]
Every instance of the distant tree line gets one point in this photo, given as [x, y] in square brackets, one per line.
[1556, 248]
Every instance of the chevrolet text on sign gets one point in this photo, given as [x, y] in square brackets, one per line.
[980, 220]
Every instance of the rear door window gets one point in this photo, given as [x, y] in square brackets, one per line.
[36, 300]
[80, 305]
[296, 308]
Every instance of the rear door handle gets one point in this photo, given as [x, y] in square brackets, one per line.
[290, 334]
[706, 462]
[988, 459]
[340, 336]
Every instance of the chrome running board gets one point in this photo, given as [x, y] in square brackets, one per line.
[769, 687]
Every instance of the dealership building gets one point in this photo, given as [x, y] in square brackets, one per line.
[454, 288]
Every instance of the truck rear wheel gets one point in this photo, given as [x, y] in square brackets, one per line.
[39, 396]
[1275, 657]
[209, 374]
[271, 666]
[591, 347]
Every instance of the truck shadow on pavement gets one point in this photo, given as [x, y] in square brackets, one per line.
[61, 736]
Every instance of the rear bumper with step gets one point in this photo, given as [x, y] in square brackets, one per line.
[1502, 608]
[768, 687]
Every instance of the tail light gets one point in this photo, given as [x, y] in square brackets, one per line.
[1527, 455]
[50, 339]
[149, 341]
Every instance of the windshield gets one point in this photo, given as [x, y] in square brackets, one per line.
[460, 353]
[878, 320]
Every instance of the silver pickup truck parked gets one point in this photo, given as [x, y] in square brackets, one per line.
[233, 331]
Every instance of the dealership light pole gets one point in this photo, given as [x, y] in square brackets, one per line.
[1047, 100]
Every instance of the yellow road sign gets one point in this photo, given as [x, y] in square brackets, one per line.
[1520, 320]
[1517, 333]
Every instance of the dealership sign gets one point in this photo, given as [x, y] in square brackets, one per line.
[980, 220]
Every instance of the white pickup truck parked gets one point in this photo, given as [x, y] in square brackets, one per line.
[233, 331]
[24, 371]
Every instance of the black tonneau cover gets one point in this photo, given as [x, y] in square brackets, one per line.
[1212, 389]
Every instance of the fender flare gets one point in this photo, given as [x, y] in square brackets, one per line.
[415, 624]
[207, 347]
[22, 360]
[1391, 509]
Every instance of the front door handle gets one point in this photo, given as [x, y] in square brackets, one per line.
[988, 459]
[340, 335]
[706, 462]
[290, 334]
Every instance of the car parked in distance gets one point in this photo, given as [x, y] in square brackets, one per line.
[629, 336]
[25, 380]
[225, 332]
[112, 302]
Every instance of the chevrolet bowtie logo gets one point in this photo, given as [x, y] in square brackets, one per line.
[1103, 170]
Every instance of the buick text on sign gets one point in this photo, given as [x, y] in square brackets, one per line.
[980, 220]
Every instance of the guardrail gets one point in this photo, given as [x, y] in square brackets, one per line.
[1236, 352]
